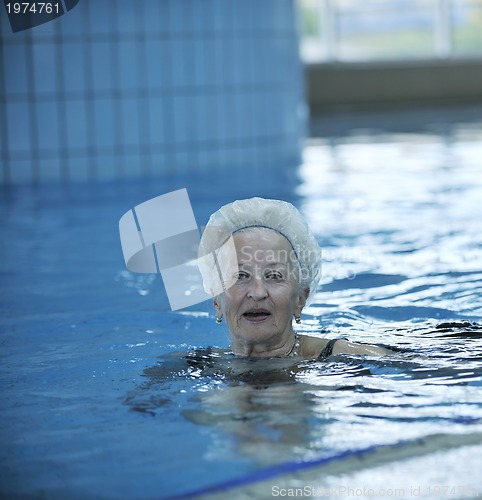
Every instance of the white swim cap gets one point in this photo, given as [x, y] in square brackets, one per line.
[280, 216]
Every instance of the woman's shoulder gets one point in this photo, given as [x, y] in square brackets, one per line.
[344, 346]
[317, 347]
[312, 347]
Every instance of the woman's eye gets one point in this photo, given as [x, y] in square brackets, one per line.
[241, 276]
[274, 275]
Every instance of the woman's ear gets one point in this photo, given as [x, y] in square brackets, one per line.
[217, 306]
[301, 301]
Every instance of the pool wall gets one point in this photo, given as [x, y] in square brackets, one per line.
[117, 89]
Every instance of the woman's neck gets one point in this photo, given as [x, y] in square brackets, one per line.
[265, 350]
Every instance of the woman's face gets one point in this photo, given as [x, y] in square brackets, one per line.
[259, 306]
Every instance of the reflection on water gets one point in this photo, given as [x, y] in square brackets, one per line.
[275, 410]
[399, 205]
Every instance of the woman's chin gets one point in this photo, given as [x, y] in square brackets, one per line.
[256, 331]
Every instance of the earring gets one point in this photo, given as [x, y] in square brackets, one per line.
[298, 320]
[219, 320]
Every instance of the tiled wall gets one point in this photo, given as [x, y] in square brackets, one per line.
[122, 88]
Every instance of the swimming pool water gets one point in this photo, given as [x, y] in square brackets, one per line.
[101, 400]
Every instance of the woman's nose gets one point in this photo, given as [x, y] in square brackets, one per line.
[257, 290]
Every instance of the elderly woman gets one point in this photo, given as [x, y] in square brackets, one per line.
[261, 264]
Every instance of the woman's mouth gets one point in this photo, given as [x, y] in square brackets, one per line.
[256, 315]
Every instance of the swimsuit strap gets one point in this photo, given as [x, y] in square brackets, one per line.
[328, 349]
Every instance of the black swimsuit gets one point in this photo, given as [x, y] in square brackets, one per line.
[328, 349]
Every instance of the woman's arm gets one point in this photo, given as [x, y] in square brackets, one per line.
[345, 347]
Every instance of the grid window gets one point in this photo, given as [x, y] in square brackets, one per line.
[466, 18]
[349, 30]
[376, 30]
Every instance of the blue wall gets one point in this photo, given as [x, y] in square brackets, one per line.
[122, 88]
